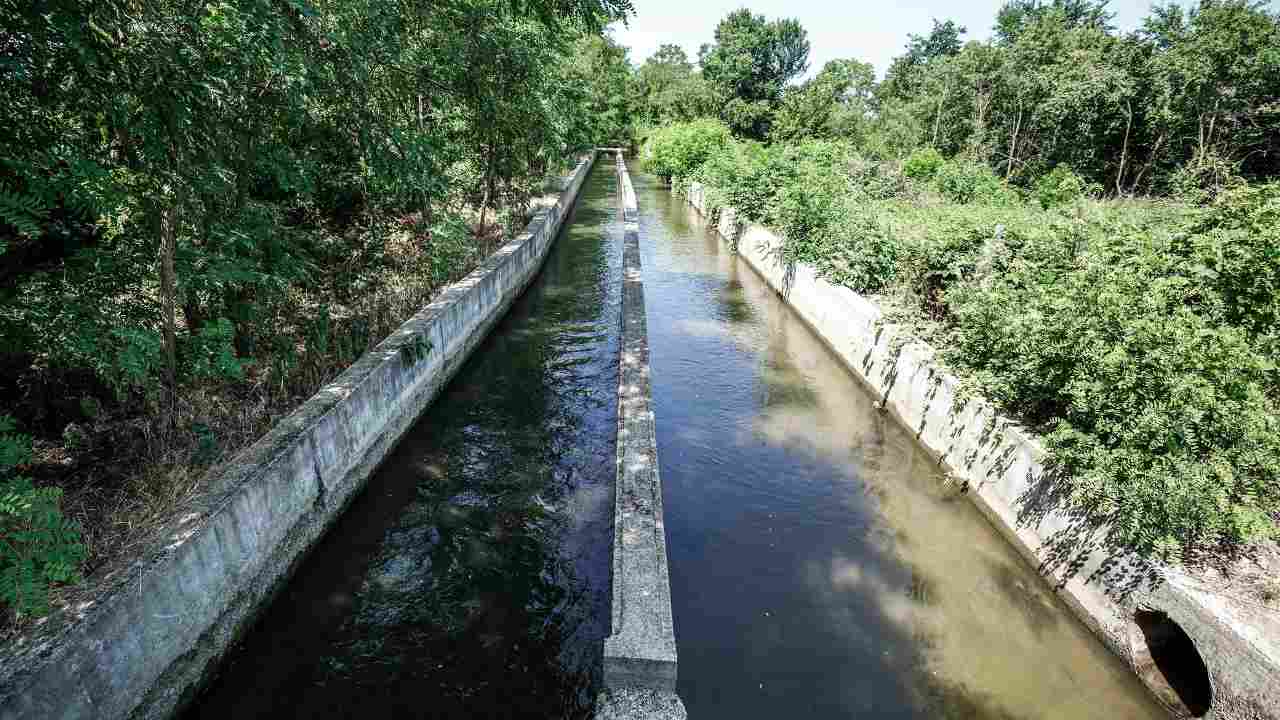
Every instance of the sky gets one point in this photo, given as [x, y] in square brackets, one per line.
[873, 32]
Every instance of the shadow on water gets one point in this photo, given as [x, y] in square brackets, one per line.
[471, 578]
[821, 566]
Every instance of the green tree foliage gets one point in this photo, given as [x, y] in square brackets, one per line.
[1017, 16]
[836, 103]
[749, 64]
[162, 165]
[676, 151]
[600, 67]
[172, 176]
[942, 42]
[669, 89]
[1191, 97]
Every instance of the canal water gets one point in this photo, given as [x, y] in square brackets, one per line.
[471, 577]
[820, 565]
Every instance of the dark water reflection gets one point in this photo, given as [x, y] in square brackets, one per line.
[471, 579]
[820, 567]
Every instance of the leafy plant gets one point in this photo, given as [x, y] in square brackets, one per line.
[1058, 187]
[923, 164]
[38, 546]
[963, 180]
[678, 151]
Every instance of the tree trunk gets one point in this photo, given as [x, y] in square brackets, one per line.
[1155, 152]
[1124, 149]
[937, 118]
[1013, 147]
[488, 191]
[168, 293]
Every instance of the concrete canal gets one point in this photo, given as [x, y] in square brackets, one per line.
[471, 578]
[820, 567]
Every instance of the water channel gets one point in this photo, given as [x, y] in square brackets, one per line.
[820, 567]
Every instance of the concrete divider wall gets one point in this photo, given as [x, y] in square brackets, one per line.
[640, 652]
[150, 629]
[1003, 469]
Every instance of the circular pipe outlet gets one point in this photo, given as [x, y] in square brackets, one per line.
[1167, 660]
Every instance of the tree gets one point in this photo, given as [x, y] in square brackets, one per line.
[943, 41]
[748, 66]
[1016, 16]
[162, 159]
[670, 90]
[834, 104]
[1217, 84]
[600, 66]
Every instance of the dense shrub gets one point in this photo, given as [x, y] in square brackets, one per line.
[1201, 179]
[873, 180]
[923, 164]
[678, 151]
[1233, 251]
[966, 181]
[1163, 420]
[808, 193]
[738, 177]
[1057, 187]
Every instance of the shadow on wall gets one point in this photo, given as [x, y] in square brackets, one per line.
[1167, 660]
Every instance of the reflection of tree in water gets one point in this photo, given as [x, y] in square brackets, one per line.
[470, 608]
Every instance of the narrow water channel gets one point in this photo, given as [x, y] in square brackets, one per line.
[471, 578]
[820, 566]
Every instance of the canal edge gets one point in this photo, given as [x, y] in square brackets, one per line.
[640, 657]
[1001, 467]
[156, 624]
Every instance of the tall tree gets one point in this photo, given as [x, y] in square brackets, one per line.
[943, 41]
[749, 64]
[670, 89]
[836, 103]
[1016, 16]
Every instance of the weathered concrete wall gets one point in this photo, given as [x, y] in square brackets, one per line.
[1003, 469]
[640, 652]
[155, 626]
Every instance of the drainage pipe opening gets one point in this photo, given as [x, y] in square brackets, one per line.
[1171, 664]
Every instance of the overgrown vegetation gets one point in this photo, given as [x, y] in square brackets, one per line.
[38, 546]
[206, 211]
[983, 193]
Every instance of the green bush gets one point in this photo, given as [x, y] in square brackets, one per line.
[923, 164]
[1233, 251]
[38, 546]
[1161, 417]
[678, 151]
[860, 252]
[738, 177]
[1203, 179]
[963, 180]
[875, 180]
[809, 192]
[1058, 187]
[211, 353]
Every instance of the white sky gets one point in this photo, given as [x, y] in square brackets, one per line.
[872, 32]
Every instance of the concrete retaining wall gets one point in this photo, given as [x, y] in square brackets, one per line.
[1003, 469]
[640, 652]
[152, 628]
